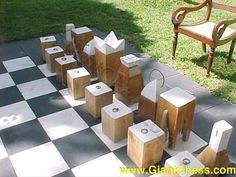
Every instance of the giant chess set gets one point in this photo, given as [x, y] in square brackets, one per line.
[120, 118]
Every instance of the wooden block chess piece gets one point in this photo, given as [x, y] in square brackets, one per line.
[215, 154]
[182, 165]
[81, 37]
[116, 118]
[62, 65]
[68, 46]
[77, 80]
[145, 143]
[147, 107]
[129, 81]
[97, 96]
[51, 54]
[108, 53]
[180, 106]
[88, 58]
[46, 42]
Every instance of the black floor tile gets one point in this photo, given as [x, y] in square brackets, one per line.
[26, 75]
[24, 136]
[81, 147]
[181, 81]
[67, 173]
[10, 95]
[10, 51]
[2, 68]
[205, 100]
[60, 39]
[58, 85]
[48, 104]
[6, 168]
[32, 48]
[86, 116]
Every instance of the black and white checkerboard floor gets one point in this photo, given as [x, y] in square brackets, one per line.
[44, 132]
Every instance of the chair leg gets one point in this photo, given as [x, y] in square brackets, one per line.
[210, 60]
[204, 47]
[175, 42]
[231, 51]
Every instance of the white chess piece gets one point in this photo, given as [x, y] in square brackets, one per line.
[69, 28]
[220, 136]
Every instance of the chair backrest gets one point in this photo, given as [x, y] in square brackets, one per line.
[224, 7]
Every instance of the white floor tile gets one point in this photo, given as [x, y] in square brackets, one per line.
[44, 69]
[18, 64]
[6, 81]
[36, 88]
[70, 99]
[107, 165]
[3, 152]
[106, 140]
[193, 144]
[14, 114]
[133, 107]
[43, 160]
[62, 123]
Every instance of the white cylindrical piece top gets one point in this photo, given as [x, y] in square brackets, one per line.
[69, 28]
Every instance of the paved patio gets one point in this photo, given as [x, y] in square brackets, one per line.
[209, 108]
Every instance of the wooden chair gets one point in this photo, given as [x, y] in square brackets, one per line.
[212, 34]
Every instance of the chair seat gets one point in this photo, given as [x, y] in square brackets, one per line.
[204, 30]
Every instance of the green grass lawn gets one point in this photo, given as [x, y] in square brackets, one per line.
[144, 23]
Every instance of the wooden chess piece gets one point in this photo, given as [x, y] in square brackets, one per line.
[97, 96]
[180, 106]
[81, 37]
[147, 107]
[116, 119]
[129, 82]
[215, 154]
[108, 53]
[46, 42]
[182, 165]
[145, 143]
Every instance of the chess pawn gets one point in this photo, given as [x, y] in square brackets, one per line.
[215, 154]
[182, 165]
[145, 143]
[46, 42]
